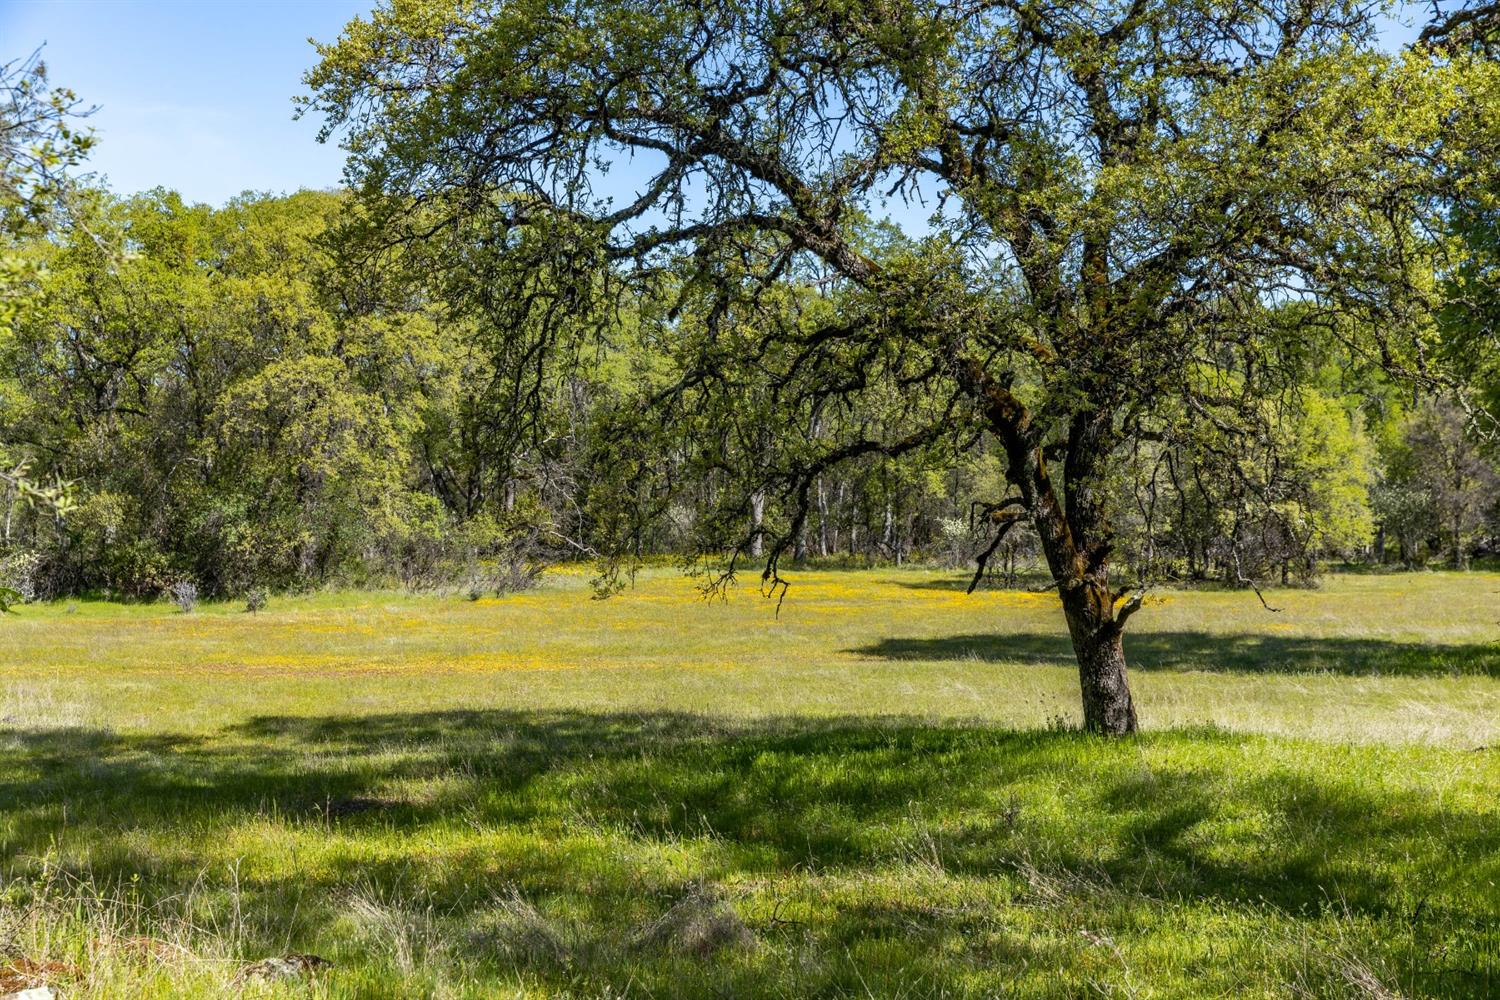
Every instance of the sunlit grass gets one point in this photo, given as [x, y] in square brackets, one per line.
[874, 793]
[1401, 657]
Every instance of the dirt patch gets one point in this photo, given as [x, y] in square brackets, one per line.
[18, 974]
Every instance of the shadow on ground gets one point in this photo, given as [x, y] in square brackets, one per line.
[1208, 651]
[603, 815]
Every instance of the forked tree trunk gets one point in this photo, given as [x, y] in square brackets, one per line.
[1074, 533]
[1105, 685]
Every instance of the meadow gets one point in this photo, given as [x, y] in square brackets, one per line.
[879, 792]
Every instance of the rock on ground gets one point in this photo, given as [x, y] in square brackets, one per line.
[283, 968]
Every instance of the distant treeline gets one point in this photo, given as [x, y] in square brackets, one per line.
[238, 402]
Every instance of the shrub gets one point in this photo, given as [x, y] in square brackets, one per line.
[18, 575]
[255, 599]
[185, 595]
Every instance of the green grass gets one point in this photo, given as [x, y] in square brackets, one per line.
[875, 794]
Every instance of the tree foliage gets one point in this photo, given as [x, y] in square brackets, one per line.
[40, 141]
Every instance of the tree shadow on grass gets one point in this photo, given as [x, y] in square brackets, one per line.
[571, 806]
[1207, 651]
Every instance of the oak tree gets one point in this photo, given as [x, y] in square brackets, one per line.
[1113, 195]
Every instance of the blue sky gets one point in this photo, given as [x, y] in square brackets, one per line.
[196, 95]
[193, 94]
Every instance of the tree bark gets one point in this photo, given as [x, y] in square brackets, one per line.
[822, 519]
[757, 520]
[1082, 575]
[1097, 643]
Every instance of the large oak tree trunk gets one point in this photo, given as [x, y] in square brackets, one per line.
[1107, 705]
[1093, 623]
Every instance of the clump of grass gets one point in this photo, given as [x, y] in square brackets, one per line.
[85, 939]
[516, 931]
[701, 923]
[405, 930]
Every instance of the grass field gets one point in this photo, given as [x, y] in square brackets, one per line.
[877, 793]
